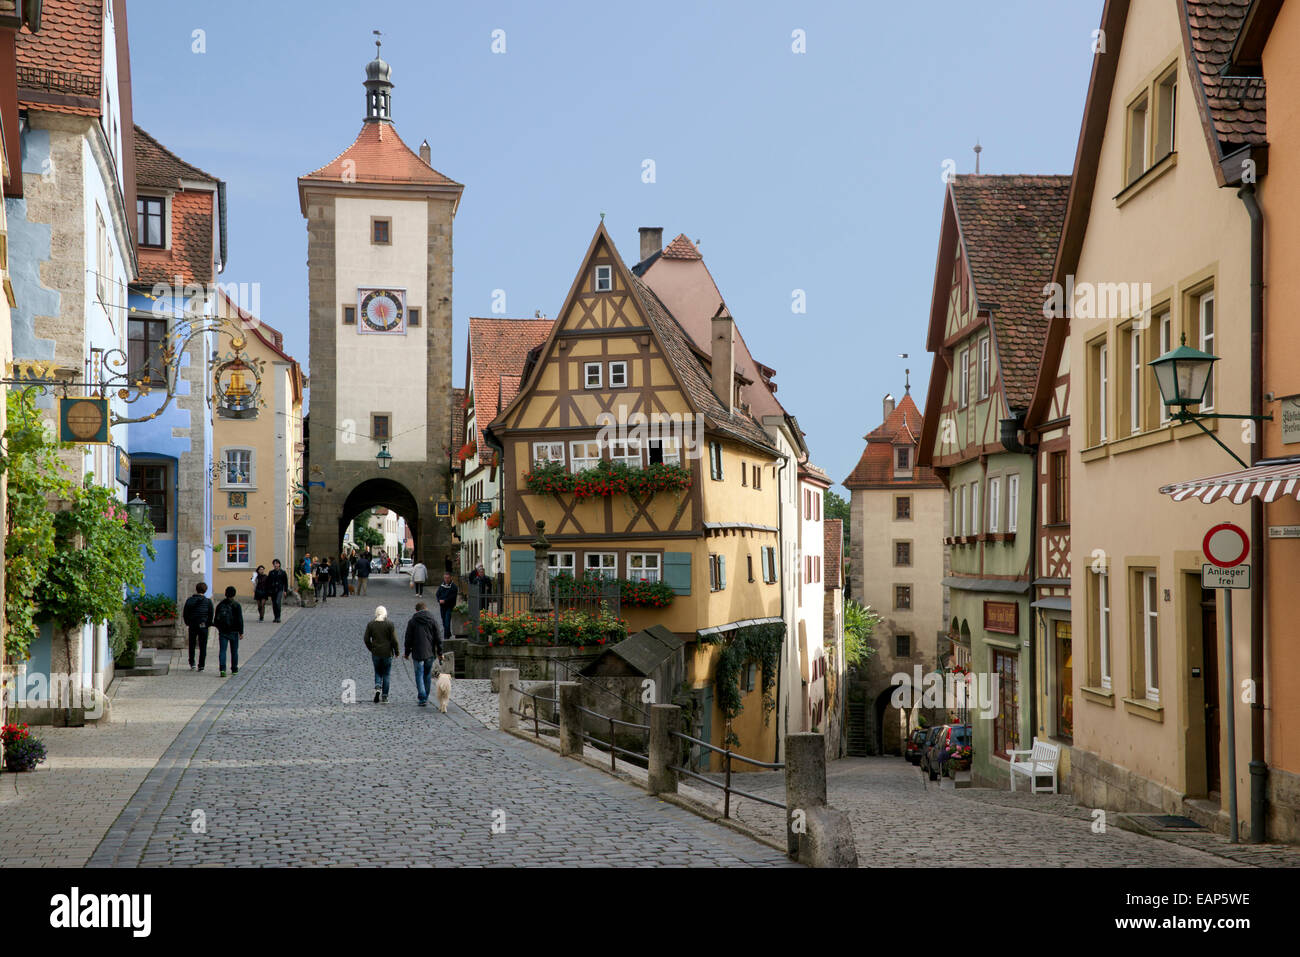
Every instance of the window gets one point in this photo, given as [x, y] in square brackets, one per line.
[643, 566]
[560, 563]
[604, 278]
[1013, 502]
[412, 317]
[1103, 628]
[101, 239]
[744, 475]
[995, 504]
[985, 370]
[1064, 673]
[1059, 475]
[1165, 326]
[1150, 634]
[591, 375]
[975, 514]
[963, 390]
[902, 597]
[149, 483]
[1136, 160]
[717, 572]
[1166, 96]
[902, 646]
[1134, 383]
[604, 564]
[547, 452]
[1006, 723]
[149, 221]
[665, 451]
[715, 461]
[381, 427]
[751, 675]
[627, 451]
[956, 512]
[768, 555]
[379, 231]
[239, 467]
[1205, 314]
[239, 548]
[583, 455]
[749, 566]
[758, 476]
[902, 508]
[349, 315]
[902, 554]
[145, 340]
[618, 375]
[903, 460]
[1099, 383]
[965, 510]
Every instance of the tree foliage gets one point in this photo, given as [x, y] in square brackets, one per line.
[859, 624]
[757, 643]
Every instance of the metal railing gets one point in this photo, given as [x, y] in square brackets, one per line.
[614, 749]
[727, 789]
[538, 720]
[570, 674]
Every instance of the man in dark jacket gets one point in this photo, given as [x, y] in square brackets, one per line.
[423, 644]
[447, 595]
[363, 572]
[229, 619]
[197, 616]
[277, 583]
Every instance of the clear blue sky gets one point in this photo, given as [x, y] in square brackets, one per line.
[817, 171]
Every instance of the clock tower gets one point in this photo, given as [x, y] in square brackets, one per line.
[379, 247]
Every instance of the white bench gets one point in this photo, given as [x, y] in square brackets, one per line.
[1040, 761]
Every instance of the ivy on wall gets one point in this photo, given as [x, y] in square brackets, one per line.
[756, 643]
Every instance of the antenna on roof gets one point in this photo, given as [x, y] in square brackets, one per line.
[978, 150]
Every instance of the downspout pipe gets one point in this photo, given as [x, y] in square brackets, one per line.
[780, 659]
[1258, 766]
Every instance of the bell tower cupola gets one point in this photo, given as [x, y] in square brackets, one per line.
[379, 87]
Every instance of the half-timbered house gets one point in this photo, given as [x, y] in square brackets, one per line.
[618, 382]
[987, 328]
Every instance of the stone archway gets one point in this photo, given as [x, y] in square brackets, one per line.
[380, 493]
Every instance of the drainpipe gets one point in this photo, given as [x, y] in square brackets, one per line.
[1009, 436]
[780, 659]
[1258, 766]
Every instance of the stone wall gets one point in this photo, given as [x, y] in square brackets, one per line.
[534, 664]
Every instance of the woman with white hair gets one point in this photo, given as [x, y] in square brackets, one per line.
[381, 639]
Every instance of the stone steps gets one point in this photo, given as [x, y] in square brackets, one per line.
[147, 665]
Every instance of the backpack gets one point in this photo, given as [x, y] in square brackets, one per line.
[191, 610]
[225, 616]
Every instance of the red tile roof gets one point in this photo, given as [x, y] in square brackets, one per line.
[65, 57]
[681, 248]
[191, 254]
[497, 351]
[156, 165]
[832, 552]
[1010, 227]
[876, 467]
[378, 155]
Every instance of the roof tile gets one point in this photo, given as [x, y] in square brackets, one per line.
[378, 155]
[498, 349]
[876, 467]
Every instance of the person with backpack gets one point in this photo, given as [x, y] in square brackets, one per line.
[381, 639]
[229, 619]
[259, 591]
[363, 572]
[322, 571]
[423, 644]
[197, 616]
[277, 584]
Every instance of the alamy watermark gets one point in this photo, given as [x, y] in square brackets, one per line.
[951, 690]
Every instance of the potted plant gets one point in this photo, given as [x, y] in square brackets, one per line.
[306, 596]
[156, 615]
[459, 618]
[22, 751]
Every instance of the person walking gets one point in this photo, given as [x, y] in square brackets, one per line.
[447, 594]
[277, 583]
[343, 574]
[229, 619]
[381, 639]
[259, 591]
[363, 572]
[334, 577]
[322, 581]
[306, 565]
[419, 575]
[423, 645]
[197, 616]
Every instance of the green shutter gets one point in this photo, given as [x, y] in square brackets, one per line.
[722, 572]
[677, 572]
[522, 561]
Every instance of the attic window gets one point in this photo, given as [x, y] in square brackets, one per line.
[604, 278]
[903, 460]
[149, 215]
[1137, 139]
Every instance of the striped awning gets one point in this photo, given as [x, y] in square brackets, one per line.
[1268, 481]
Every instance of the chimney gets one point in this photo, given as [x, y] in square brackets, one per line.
[652, 240]
[723, 359]
[426, 154]
[889, 406]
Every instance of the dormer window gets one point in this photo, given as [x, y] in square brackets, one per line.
[149, 221]
[903, 460]
[604, 278]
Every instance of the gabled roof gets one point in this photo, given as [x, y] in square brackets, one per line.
[266, 334]
[377, 157]
[156, 165]
[641, 653]
[833, 552]
[497, 351]
[61, 67]
[875, 469]
[681, 248]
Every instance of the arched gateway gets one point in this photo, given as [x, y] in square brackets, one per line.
[379, 258]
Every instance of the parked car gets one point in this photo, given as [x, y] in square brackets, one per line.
[914, 742]
[929, 752]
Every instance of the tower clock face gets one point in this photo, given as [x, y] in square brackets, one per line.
[381, 310]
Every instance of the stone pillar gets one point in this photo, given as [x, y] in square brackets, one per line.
[805, 782]
[570, 694]
[665, 719]
[541, 597]
[507, 678]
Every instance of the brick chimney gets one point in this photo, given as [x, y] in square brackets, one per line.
[652, 240]
[426, 154]
[723, 359]
[889, 406]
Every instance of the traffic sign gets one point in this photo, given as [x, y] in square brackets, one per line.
[1238, 576]
[1226, 545]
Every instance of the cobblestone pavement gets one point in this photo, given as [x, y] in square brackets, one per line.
[900, 819]
[277, 769]
[56, 815]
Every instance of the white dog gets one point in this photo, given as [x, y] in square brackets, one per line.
[444, 691]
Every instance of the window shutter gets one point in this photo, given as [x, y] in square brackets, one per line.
[722, 571]
[677, 572]
[522, 561]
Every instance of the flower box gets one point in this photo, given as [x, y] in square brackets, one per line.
[607, 479]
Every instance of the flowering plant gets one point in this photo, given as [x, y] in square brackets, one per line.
[467, 450]
[644, 594]
[494, 520]
[467, 513]
[153, 608]
[577, 628]
[608, 478]
[22, 751]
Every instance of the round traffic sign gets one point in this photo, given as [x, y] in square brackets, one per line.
[1226, 545]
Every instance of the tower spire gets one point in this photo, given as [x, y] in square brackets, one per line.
[379, 86]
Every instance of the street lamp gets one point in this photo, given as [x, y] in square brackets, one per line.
[384, 458]
[138, 509]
